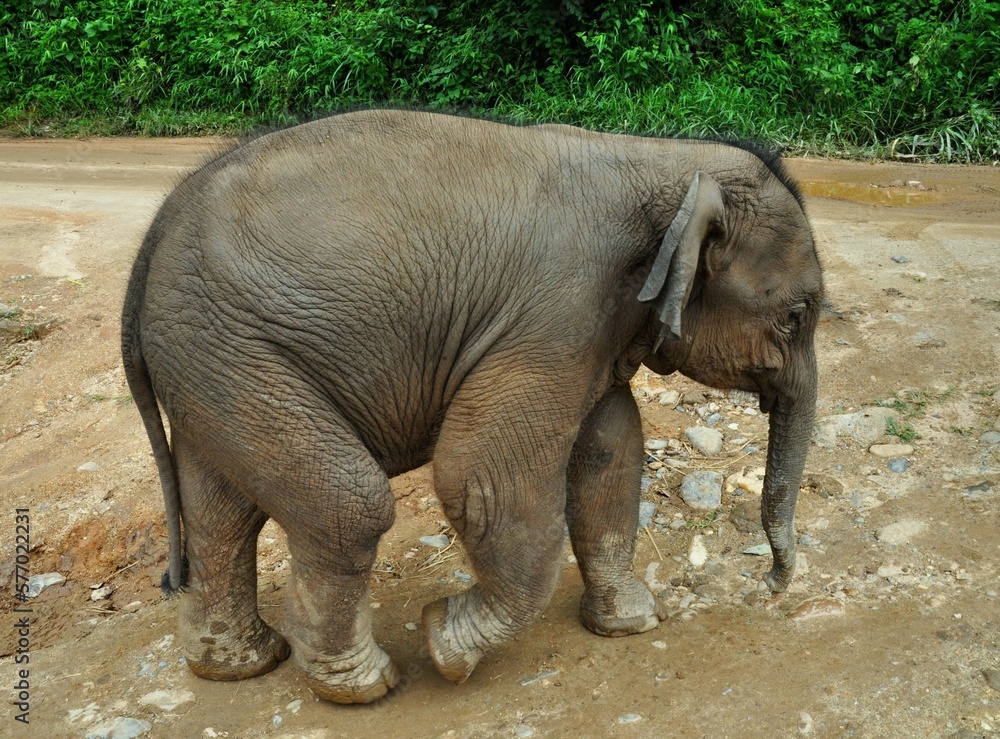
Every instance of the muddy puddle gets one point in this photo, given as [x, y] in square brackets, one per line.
[891, 195]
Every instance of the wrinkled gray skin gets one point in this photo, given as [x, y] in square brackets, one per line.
[331, 305]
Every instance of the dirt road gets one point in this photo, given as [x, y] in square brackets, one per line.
[892, 627]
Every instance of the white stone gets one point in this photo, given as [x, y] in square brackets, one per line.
[38, 583]
[900, 532]
[866, 426]
[655, 445]
[132, 607]
[438, 541]
[630, 718]
[87, 467]
[120, 727]
[166, 700]
[752, 481]
[670, 398]
[889, 451]
[698, 554]
[705, 440]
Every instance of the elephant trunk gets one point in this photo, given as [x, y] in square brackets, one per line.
[789, 434]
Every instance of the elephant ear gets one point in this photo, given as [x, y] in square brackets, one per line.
[701, 217]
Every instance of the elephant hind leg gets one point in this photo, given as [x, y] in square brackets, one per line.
[224, 637]
[335, 504]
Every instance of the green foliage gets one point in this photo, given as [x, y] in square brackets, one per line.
[906, 78]
[903, 429]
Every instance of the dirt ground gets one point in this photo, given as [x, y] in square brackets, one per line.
[891, 627]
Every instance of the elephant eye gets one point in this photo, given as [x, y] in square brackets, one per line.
[795, 316]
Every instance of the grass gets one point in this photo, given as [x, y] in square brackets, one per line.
[903, 430]
[879, 79]
[704, 522]
[911, 404]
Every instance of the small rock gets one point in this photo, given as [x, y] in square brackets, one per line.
[87, 467]
[990, 437]
[702, 490]
[101, 593]
[119, 727]
[889, 571]
[463, 576]
[900, 532]
[805, 720]
[992, 678]
[655, 445]
[693, 397]
[752, 481]
[276, 719]
[166, 700]
[410, 626]
[646, 512]
[707, 441]
[295, 706]
[887, 451]
[659, 645]
[630, 718]
[996, 425]
[866, 426]
[670, 398]
[38, 583]
[899, 465]
[438, 541]
[809, 541]
[900, 259]
[745, 516]
[698, 554]
[758, 550]
[523, 731]
[820, 607]
[132, 607]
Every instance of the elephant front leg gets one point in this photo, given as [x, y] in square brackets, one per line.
[499, 470]
[603, 514]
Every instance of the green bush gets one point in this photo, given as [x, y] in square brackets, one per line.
[908, 78]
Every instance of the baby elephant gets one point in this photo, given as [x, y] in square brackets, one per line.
[331, 305]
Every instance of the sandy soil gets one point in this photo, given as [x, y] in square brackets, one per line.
[890, 629]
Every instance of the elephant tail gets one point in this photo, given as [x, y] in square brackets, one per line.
[141, 385]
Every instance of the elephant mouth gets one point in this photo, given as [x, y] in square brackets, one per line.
[768, 398]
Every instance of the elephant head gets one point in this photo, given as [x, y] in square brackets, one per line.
[736, 289]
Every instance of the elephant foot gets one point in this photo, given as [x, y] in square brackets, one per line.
[221, 655]
[361, 676]
[622, 609]
[453, 650]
